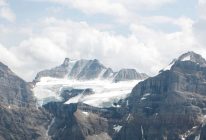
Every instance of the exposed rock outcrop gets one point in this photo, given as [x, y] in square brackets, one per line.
[170, 105]
[20, 118]
[57, 72]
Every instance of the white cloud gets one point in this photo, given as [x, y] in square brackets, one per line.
[199, 28]
[7, 57]
[201, 9]
[47, 42]
[122, 10]
[6, 12]
[145, 49]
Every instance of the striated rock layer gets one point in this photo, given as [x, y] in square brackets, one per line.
[170, 105]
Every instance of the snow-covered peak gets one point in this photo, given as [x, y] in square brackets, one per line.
[84, 69]
[192, 56]
[189, 56]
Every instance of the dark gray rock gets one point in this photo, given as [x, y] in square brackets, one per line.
[77, 122]
[168, 105]
[20, 118]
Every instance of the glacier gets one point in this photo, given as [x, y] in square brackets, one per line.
[106, 92]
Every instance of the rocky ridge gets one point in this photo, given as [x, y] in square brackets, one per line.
[89, 70]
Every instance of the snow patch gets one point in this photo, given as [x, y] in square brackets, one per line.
[187, 58]
[127, 102]
[189, 132]
[85, 113]
[197, 137]
[128, 117]
[142, 131]
[144, 97]
[74, 100]
[117, 128]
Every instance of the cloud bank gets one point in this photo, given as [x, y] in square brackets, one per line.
[50, 39]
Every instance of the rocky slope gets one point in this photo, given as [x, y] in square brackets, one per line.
[20, 119]
[58, 72]
[83, 122]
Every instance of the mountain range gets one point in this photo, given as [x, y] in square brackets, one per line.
[88, 70]
[84, 100]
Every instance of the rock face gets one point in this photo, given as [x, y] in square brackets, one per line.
[128, 74]
[57, 72]
[108, 73]
[13, 89]
[19, 119]
[89, 70]
[170, 105]
[79, 122]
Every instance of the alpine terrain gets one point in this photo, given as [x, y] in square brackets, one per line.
[85, 100]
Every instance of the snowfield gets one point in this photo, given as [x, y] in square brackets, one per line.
[106, 91]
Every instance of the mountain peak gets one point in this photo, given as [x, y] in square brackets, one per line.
[192, 56]
[66, 62]
[189, 56]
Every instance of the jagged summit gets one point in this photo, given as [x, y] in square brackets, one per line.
[66, 62]
[84, 69]
[170, 100]
[192, 56]
[189, 56]
[127, 74]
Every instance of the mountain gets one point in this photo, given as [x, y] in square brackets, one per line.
[77, 75]
[189, 56]
[171, 105]
[20, 118]
[89, 70]
[128, 74]
[58, 72]
[86, 71]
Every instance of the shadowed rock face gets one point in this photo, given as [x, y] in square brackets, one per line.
[170, 105]
[79, 122]
[57, 72]
[13, 90]
[19, 119]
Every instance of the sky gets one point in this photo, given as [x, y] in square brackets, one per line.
[140, 34]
